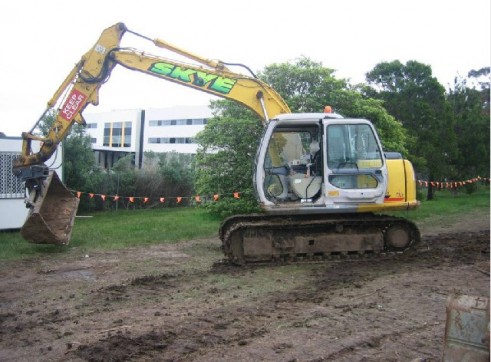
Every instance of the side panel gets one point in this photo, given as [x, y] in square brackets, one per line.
[401, 189]
[397, 186]
[410, 182]
[13, 210]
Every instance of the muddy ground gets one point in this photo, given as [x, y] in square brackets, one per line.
[183, 303]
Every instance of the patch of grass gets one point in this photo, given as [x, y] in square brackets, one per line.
[449, 206]
[120, 229]
[13, 246]
[127, 228]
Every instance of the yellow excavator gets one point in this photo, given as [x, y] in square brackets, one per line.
[321, 179]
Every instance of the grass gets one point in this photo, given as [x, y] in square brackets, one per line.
[448, 205]
[120, 229]
[126, 228]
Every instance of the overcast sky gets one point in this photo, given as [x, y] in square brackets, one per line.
[42, 40]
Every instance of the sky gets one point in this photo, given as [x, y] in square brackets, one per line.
[42, 40]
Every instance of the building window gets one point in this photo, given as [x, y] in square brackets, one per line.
[127, 135]
[178, 122]
[107, 134]
[91, 125]
[201, 121]
[117, 134]
[10, 185]
[171, 140]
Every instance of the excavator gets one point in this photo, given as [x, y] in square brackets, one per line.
[323, 181]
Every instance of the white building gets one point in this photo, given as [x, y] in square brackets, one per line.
[115, 134]
[13, 211]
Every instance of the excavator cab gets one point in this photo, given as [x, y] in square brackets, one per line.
[320, 160]
[324, 163]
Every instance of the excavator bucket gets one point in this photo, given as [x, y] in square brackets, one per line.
[52, 213]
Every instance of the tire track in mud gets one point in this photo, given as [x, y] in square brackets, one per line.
[232, 326]
[179, 332]
[344, 310]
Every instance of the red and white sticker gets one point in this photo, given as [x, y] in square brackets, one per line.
[73, 104]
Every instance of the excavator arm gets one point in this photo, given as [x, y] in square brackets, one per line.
[81, 87]
[51, 221]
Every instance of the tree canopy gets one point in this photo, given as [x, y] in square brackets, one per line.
[225, 158]
[469, 101]
[308, 86]
[416, 98]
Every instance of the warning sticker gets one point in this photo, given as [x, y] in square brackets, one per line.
[73, 105]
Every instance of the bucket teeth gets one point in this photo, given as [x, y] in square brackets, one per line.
[52, 213]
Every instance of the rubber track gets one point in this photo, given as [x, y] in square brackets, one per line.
[299, 223]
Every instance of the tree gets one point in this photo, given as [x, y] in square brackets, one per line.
[305, 85]
[176, 172]
[470, 104]
[78, 159]
[308, 86]
[413, 96]
[225, 158]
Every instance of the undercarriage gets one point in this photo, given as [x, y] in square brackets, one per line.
[269, 238]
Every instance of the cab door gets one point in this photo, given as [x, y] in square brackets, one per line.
[355, 170]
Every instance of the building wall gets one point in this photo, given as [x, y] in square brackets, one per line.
[13, 211]
[155, 129]
[114, 134]
[173, 129]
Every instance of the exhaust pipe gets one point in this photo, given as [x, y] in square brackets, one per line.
[52, 213]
